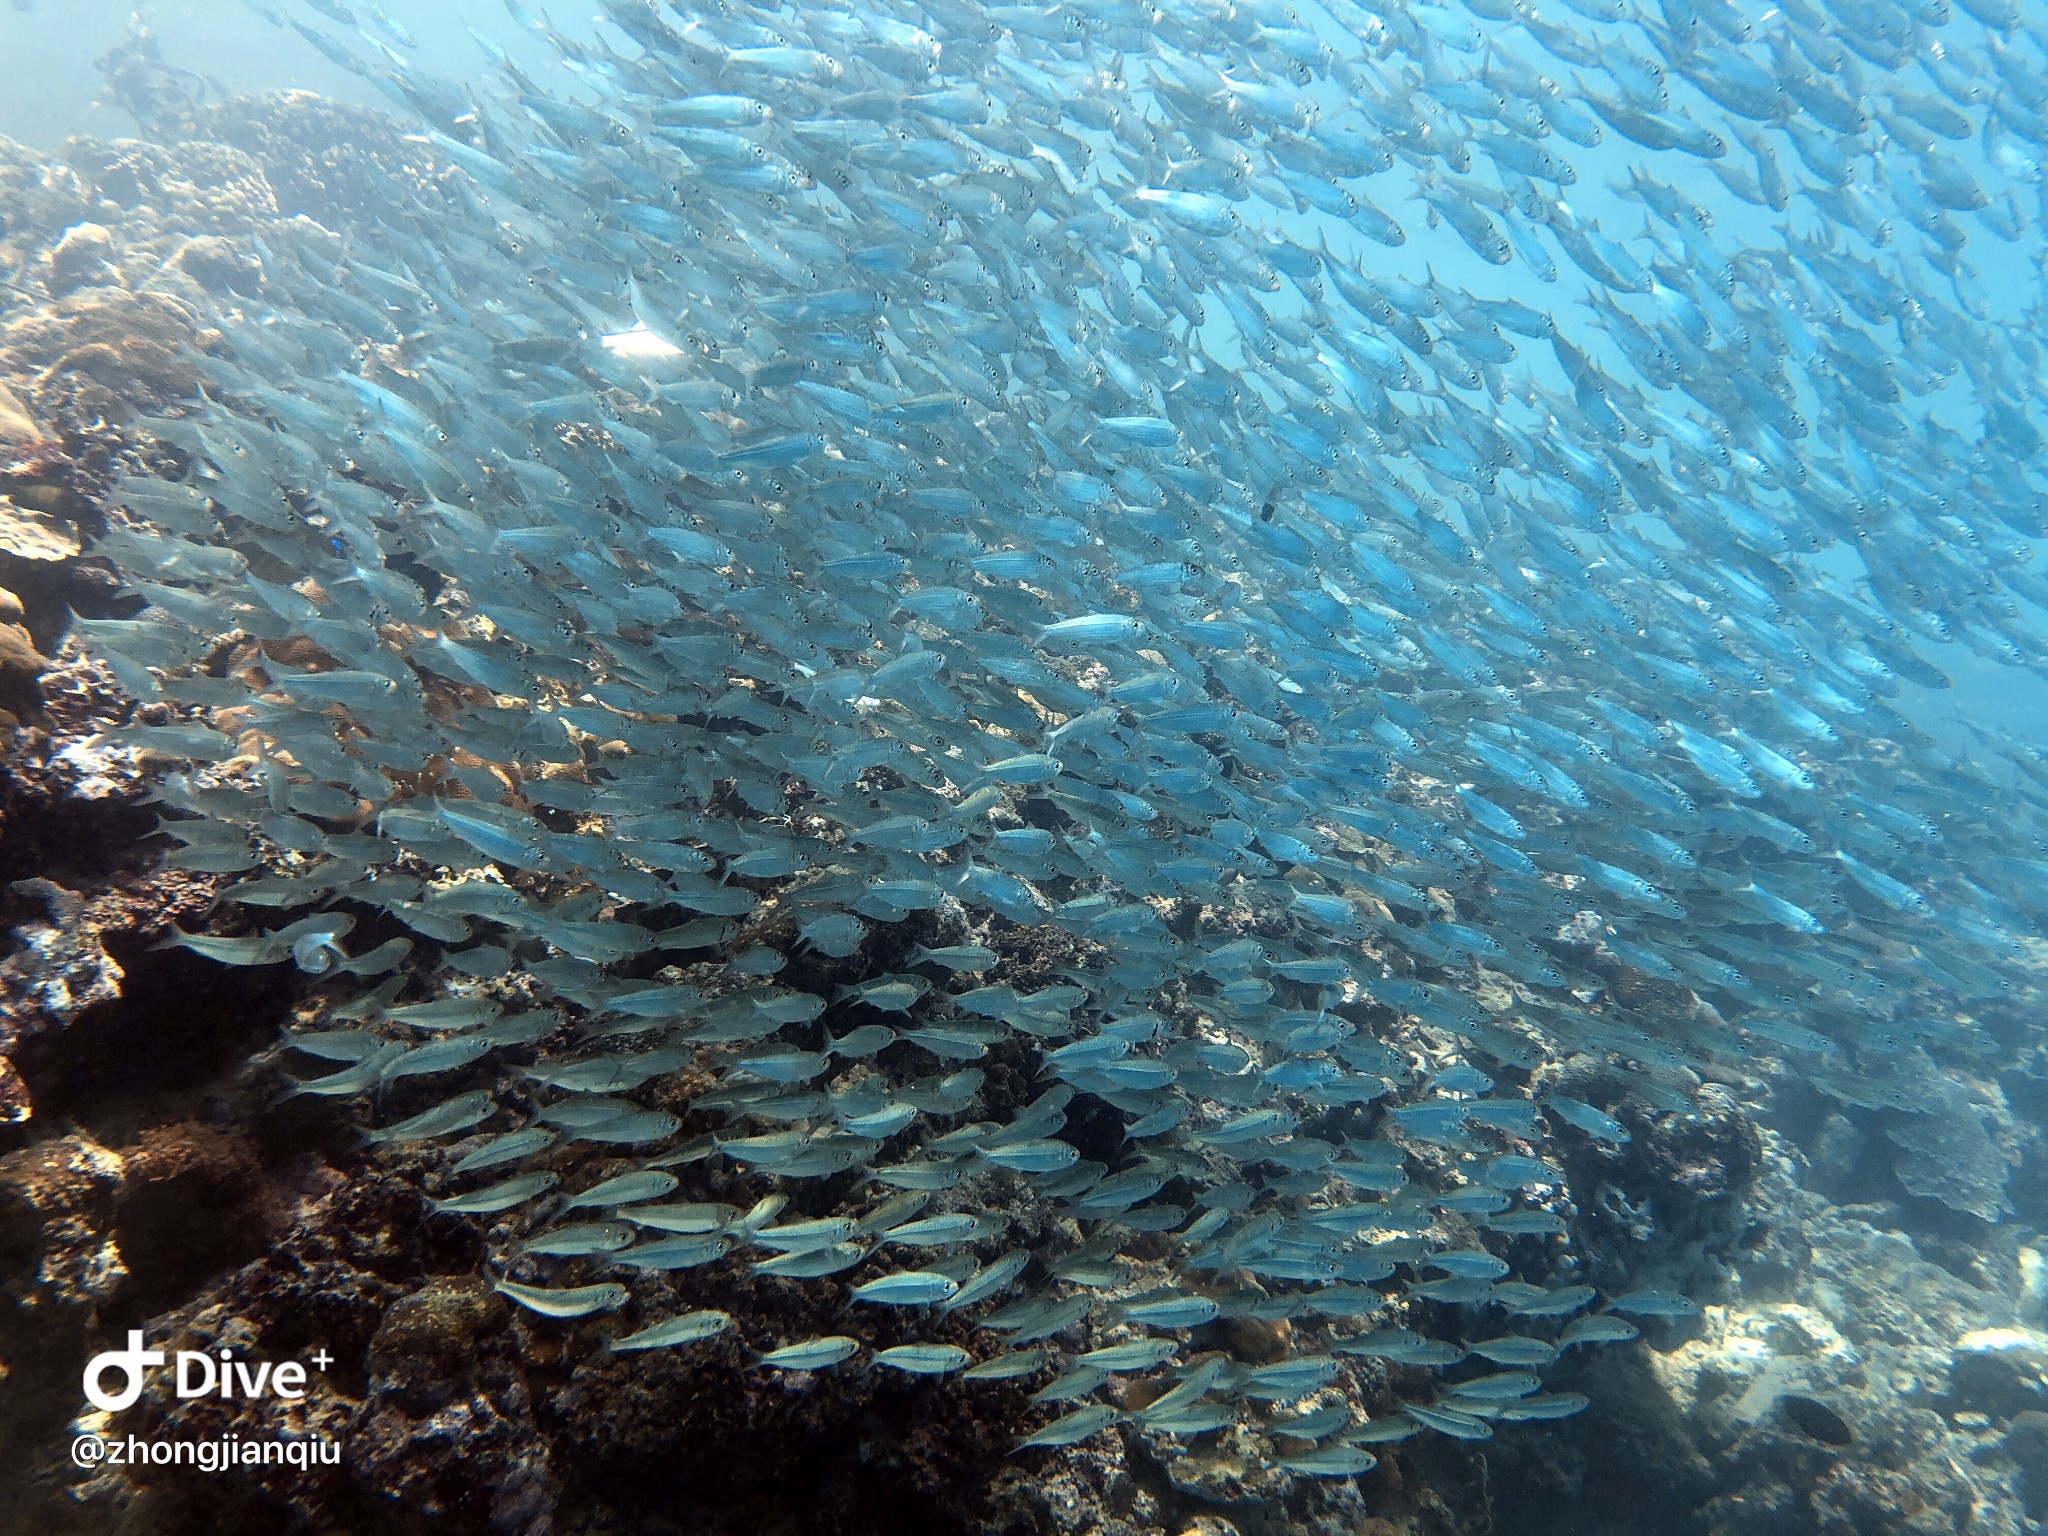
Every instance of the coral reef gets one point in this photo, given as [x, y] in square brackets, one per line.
[323, 160]
[1845, 1383]
[1950, 1157]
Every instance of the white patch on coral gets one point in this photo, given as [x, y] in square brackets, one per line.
[2001, 1341]
[2033, 1296]
[95, 773]
[1758, 1352]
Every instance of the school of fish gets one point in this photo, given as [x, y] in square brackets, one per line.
[959, 484]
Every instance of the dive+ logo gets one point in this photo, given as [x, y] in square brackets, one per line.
[198, 1375]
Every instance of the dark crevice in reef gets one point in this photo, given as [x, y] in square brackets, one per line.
[171, 1045]
[47, 833]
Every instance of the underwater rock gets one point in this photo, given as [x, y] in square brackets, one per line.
[65, 812]
[21, 671]
[79, 259]
[1857, 1498]
[45, 490]
[1633, 1450]
[1835, 1152]
[109, 353]
[245, 1498]
[427, 1333]
[1697, 1167]
[60, 969]
[349, 1247]
[324, 159]
[63, 1262]
[446, 1436]
[92, 1236]
[2026, 1443]
[220, 266]
[1254, 1340]
[172, 191]
[66, 797]
[57, 1226]
[43, 197]
[1950, 1157]
[1232, 1469]
[862, 1448]
[1731, 1378]
[28, 535]
[83, 906]
[1999, 1372]
[1831, 1309]
[36, 542]
[127, 239]
[17, 427]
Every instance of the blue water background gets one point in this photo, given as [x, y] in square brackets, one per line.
[54, 91]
